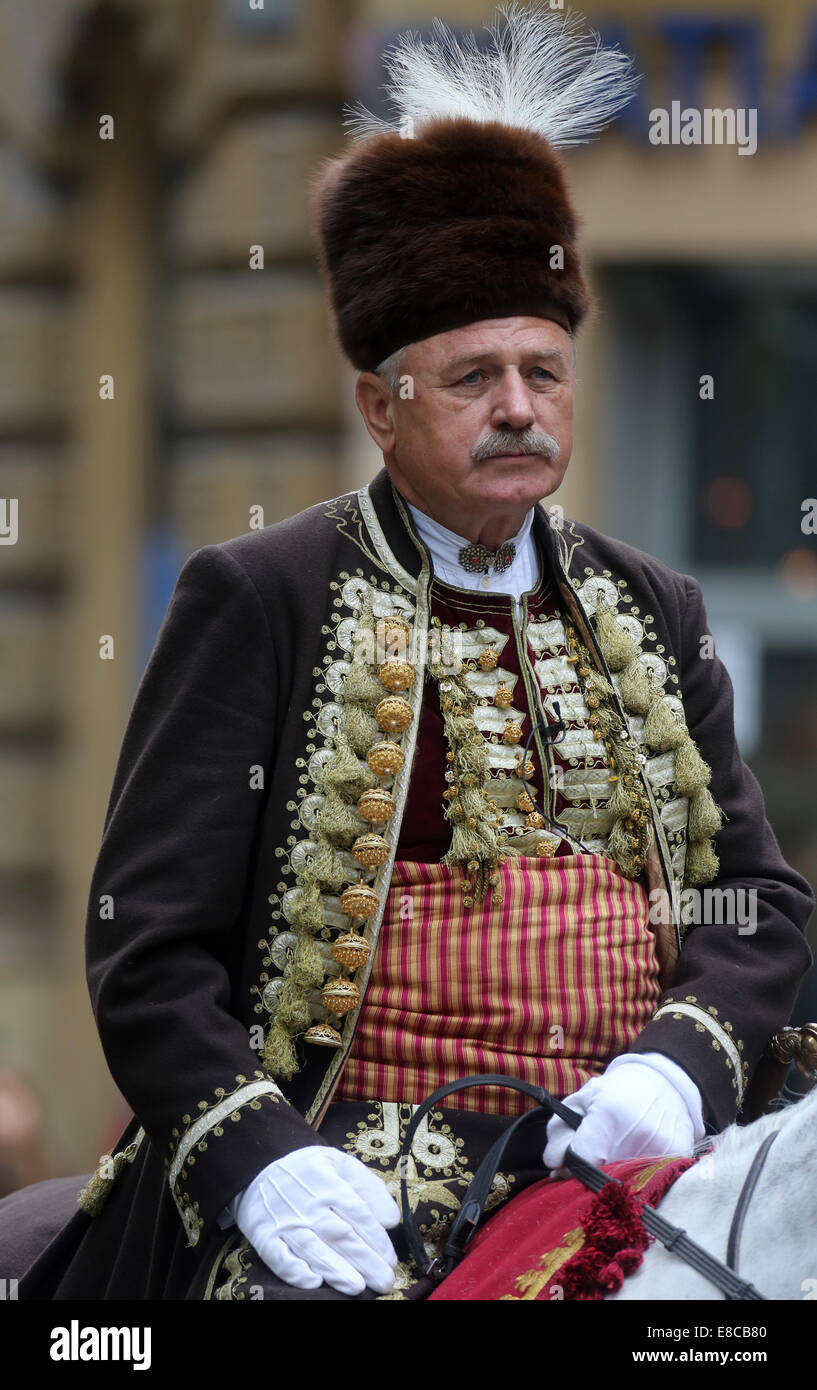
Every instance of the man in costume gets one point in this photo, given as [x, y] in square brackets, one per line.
[415, 780]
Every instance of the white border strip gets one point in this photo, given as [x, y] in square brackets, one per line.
[716, 1029]
[211, 1118]
[381, 545]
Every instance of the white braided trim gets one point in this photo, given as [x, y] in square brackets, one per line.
[211, 1118]
[716, 1029]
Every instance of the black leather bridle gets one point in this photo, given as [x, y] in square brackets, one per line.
[467, 1219]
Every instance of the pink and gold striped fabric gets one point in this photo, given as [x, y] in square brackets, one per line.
[547, 986]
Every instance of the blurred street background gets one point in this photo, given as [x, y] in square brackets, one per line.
[131, 258]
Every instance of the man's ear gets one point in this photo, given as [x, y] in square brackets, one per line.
[374, 401]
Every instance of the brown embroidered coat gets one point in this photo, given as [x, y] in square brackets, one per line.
[216, 788]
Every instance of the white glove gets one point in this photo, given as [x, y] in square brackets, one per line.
[319, 1214]
[643, 1105]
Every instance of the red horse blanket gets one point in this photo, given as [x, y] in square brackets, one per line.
[558, 1240]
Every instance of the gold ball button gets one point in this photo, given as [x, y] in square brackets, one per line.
[359, 900]
[340, 995]
[324, 1035]
[376, 805]
[351, 950]
[385, 757]
[392, 634]
[394, 714]
[396, 675]
[370, 850]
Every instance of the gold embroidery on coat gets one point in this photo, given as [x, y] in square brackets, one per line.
[186, 1143]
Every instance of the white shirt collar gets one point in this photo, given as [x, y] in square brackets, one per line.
[444, 547]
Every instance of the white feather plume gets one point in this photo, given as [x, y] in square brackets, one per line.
[542, 71]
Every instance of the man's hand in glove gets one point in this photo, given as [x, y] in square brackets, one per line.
[320, 1214]
[642, 1105]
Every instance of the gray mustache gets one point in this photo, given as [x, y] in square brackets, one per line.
[525, 442]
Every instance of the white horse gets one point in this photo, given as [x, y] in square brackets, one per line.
[778, 1246]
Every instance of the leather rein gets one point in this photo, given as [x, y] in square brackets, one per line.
[467, 1219]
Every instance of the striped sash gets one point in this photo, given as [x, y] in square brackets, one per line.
[548, 986]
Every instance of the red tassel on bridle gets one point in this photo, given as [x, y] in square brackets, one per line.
[614, 1246]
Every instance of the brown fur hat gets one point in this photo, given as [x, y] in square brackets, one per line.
[460, 223]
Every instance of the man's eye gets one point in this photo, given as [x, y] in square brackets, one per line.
[475, 372]
[545, 372]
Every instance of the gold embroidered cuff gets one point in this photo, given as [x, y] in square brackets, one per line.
[209, 1122]
[706, 1020]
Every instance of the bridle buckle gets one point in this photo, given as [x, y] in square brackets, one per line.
[437, 1270]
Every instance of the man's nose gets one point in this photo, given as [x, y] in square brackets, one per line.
[513, 405]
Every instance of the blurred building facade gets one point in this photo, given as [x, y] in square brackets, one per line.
[169, 379]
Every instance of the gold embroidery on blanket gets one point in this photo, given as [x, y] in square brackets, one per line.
[533, 1281]
[641, 1179]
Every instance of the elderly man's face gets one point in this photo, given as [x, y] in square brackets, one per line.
[492, 403]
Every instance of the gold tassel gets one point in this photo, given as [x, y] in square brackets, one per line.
[360, 728]
[362, 687]
[618, 647]
[472, 801]
[327, 870]
[279, 1052]
[92, 1197]
[471, 757]
[306, 911]
[476, 841]
[306, 969]
[94, 1194]
[691, 772]
[637, 693]
[702, 864]
[346, 773]
[704, 816]
[336, 826]
[293, 1010]
[337, 821]
[619, 847]
[620, 803]
[662, 730]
